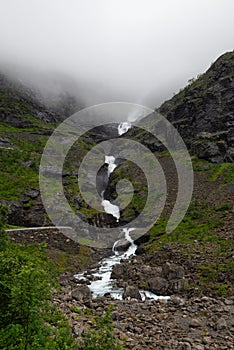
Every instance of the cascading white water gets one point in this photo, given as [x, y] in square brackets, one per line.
[103, 283]
[108, 207]
[123, 128]
[110, 160]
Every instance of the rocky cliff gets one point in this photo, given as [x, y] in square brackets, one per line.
[203, 112]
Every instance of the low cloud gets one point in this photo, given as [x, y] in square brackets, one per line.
[139, 51]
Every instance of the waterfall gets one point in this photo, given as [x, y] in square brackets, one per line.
[108, 207]
[123, 128]
[103, 283]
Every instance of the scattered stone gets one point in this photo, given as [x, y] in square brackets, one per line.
[221, 324]
[185, 346]
[194, 322]
[32, 193]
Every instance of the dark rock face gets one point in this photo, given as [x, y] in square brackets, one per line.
[203, 112]
[28, 212]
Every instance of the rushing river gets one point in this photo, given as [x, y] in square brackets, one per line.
[101, 278]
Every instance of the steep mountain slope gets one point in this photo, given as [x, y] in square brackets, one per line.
[25, 124]
[203, 112]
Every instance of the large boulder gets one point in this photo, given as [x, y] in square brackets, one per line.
[118, 271]
[83, 295]
[131, 292]
[172, 271]
[122, 245]
[158, 285]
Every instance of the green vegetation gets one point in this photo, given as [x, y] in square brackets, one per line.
[209, 276]
[225, 169]
[28, 320]
[215, 171]
[15, 176]
[67, 261]
[198, 224]
[101, 336]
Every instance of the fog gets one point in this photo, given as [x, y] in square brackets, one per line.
[139, 51]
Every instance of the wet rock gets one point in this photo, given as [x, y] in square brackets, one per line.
[131, 292]
[142, 239]
[140, 250]
[122, 245]
[118, 271]
[158, 285]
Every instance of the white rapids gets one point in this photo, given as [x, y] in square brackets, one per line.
[123, 128]
[104, 284]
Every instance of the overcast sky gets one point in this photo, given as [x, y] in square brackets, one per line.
[141, 50]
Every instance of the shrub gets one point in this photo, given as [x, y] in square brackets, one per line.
[28, 321]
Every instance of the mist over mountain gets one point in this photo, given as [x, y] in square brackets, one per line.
[135, 51]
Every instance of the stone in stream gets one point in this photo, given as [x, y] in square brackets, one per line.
[131, 292]
[158, 285]
[118, 271]
[122, 245]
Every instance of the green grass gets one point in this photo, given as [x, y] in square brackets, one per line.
[225, 169]
[209, 276]
[215, 171]
[198, 224]
[15, 177]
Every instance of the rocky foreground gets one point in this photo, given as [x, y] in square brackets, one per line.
[182, 322]
[190, 319]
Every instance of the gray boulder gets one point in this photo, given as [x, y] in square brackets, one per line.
[131, 292]
[158, 285]
[172, 271]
